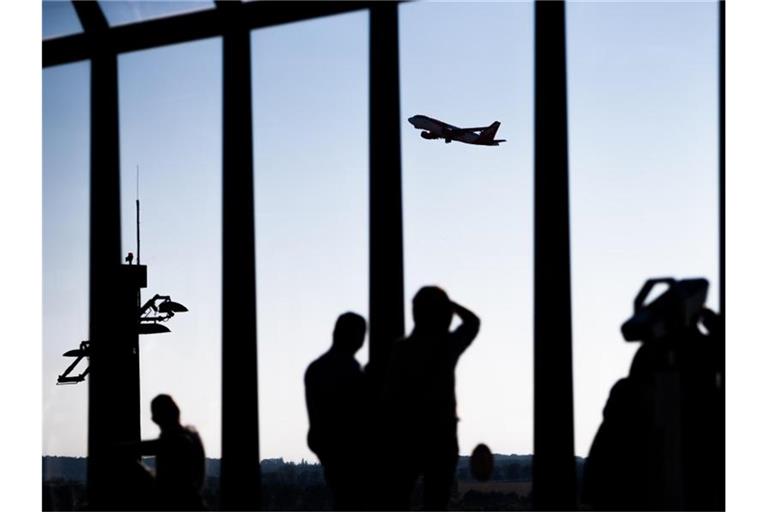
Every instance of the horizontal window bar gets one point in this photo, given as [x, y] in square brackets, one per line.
[188, 27]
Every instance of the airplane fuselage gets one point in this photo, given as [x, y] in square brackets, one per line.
[435, 129]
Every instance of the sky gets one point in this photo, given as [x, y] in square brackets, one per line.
[642, 100]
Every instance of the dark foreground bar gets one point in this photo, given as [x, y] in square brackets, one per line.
[554, 470]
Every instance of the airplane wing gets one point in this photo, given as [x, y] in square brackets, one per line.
[459, 131]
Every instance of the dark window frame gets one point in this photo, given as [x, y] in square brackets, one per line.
[554, 469]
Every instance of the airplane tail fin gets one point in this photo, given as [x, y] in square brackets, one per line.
[487, 135]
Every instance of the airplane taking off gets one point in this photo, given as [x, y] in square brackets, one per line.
[434, 129]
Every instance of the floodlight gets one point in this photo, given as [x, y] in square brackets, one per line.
[169, 306]
[77, 352]
[152, 328]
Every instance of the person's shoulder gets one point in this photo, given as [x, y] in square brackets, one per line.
[622, 399]
[176, 436]
[315, 366]
[398, 348]
[191, 433]
[191, 430]
[406, 351]
[620, 388]
[403, 343]
[354, 365]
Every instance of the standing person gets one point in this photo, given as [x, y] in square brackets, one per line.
[420, 399]
[336, 403]
[658, 445]
[180, 459]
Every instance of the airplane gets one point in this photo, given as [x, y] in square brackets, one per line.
[434, 129]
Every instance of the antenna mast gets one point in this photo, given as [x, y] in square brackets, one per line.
[138, 237]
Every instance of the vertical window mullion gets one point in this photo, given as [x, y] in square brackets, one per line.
[106, 409]
[108, 420]
[386, 314]
[240, 472]
[554, 472]
[719, 461]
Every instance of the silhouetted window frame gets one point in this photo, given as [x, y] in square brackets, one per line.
[233, 21]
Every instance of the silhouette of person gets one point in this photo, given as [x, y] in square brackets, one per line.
[336, 399]
[617, 475]
[129, 484]
[420, 399]
[657, 447]
[179, 459]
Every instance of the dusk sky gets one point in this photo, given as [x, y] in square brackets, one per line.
[642, 96]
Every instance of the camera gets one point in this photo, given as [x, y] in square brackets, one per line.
[677, 310]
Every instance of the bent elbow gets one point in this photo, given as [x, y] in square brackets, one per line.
[475, 325]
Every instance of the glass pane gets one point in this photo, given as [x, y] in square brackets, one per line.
[60, 19]
[170, 127]
[310, 98]
[119, 12]
[66, 181]
[643, 117]
[468, 209]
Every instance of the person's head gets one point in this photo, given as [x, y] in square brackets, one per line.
[349, 332]
[432, 310]
[165, 412]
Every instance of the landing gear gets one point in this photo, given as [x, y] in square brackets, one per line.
[447, 141]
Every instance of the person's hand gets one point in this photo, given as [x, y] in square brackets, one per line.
[713, 322]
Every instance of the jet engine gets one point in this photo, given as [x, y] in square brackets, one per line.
[428, 135]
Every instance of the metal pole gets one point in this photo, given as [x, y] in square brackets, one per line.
[138, 236]
[104, 252]
[554, 472]
[387, 322]
[240, 470]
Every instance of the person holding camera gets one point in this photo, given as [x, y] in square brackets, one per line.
[661, 443]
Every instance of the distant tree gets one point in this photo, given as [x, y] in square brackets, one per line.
[525, 473]
[512, 472]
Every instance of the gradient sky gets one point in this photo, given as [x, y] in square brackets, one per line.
[643, 163]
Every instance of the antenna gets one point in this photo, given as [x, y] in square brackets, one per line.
[138, 221]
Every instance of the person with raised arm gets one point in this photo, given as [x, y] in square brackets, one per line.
[420, 399]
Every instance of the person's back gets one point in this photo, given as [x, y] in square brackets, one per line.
[618, 473]
[659, 437]
[180, 465]
[180, 459]
[333, 385]
[420, 396]
[422, 380]
[336, 406]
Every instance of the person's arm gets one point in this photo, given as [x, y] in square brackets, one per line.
[139, 448]
[467, 331]
[149, 447]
